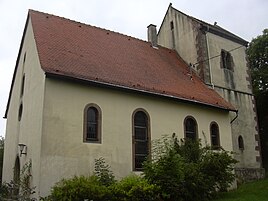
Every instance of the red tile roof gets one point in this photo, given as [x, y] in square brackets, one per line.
[85, 52]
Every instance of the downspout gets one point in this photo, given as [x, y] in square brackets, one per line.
[236, 115]
[210, 73]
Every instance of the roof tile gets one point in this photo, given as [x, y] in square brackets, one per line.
[81, 51]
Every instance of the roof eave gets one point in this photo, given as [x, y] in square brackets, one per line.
[130, 89]
[213, 29]
[216, 31]
[169, 6]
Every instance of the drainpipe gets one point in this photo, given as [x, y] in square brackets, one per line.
[210, 73]
[236, 115]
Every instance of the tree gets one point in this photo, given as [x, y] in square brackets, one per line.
[258, 59]
[2, 140]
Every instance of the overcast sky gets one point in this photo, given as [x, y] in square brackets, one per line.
[246, 18]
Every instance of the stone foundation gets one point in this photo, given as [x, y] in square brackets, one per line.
[249, 174]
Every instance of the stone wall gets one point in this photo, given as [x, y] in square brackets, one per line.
[249, 174]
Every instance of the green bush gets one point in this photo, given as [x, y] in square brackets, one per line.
[80, 188]
[4, 191]
[19, 189]
[185, 171]
[103, 172]
[177, 171]
[134, 188]
[218, 168]
[103, 186]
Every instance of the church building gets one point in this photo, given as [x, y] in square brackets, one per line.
[81, 92]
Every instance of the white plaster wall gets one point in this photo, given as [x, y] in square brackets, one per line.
[184, 35]
[28, 130]
[216, 44]
[63, 152]
[245, 124]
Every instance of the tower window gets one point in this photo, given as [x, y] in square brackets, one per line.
[226, 60]
[241, 143]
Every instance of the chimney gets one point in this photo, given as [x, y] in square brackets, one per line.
[151, 34]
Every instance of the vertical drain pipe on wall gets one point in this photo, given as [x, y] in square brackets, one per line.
[236, 115]
[210, 73]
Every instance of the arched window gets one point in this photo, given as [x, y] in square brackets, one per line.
[190, 128]
[141, 138]
[16, 174]
[214, 135]
[226, 60]
[240, 142]
[92, 127]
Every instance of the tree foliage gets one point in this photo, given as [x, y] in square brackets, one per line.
[186, 171]
[103, 172]
[102, 186]
[258, 59]
[79, 188]
[21, 189]
[134, 188]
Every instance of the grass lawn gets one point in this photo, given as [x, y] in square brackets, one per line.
[254, 191]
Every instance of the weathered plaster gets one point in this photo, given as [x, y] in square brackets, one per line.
[28, 130]
[63, 152]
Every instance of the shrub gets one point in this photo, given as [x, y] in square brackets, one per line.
[19, 189]
[218, 167]
[103, 186]
[134, 188]
[80, 188]
[185, 171]
[103, 172]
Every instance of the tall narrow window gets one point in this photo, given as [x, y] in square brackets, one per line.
[92, 127]
[20, 112]
[214, 135]
[240, 142]
[24, 57]
[140, 139]
[226, 60]
[22, 86]
[190, 128]
[171, 25]
[16, 174]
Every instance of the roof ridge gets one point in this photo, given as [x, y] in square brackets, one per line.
[104, 29]
[211, 25]
[96, 57]
[192, 17]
